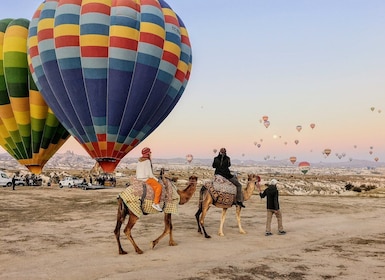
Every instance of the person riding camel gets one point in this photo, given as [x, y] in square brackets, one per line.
[221, 164]
[145, 174]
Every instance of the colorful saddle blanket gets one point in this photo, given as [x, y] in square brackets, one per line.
[222, 191]
[139, 196]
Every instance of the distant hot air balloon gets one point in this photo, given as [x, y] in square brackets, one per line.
[112, 71]
[266, 124]
[296, 142]
[299, 128]
[29, 131]
[265, 118]
[215, 151]
[293, 159]
[304, 166]
[376, 158]
[327, 152]
[258, 145]
[372, 108]
[312, 125]
[189, 158]
[370, 152]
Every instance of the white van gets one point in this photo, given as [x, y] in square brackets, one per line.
[5, 181]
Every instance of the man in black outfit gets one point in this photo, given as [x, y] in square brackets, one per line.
[272, 206]
[221, 164]
[13, 182]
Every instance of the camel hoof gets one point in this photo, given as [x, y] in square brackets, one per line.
[220, 234]
[139, 252]
[242, 232]
[207, 236]
[122, 253]
[172, 243]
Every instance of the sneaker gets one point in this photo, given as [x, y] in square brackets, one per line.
[268, 233]
[157, 207]
[282, 232]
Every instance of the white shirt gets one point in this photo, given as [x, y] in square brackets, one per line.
[144, 170]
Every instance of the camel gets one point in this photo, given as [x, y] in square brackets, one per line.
[206, 199]
[123, 211]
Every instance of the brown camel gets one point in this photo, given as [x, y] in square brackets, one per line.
[123, 211]
[205, 201]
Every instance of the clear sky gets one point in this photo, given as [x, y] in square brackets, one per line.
[298, 62]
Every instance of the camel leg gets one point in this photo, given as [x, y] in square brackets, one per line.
[223, 218]
[167, 230]
[238, 213]
[122, 213]
[197, 214]
[205, 207]
[127, 230]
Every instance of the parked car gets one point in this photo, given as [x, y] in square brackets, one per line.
[5, 181]
[70, 182]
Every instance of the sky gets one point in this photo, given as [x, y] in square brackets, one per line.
[297, 62]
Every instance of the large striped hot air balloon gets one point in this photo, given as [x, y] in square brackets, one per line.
[111, 70]
[29, 131]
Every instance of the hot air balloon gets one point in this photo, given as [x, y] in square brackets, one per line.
[266, 124]
[296, 142]
[29, 131]
[265, 118]
[258, 145]
[189, 158]
[376, 158]
[312, 125]
[215, 151]
[293, 159]
[327, 152]
[372, 108]
[299, 128]
[304, 166]
[112, 71]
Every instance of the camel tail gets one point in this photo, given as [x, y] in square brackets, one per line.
[201, 195]
[122, 210]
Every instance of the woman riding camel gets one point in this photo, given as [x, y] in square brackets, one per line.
[144, 173]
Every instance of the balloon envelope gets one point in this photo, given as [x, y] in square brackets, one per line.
[293, 159]
[189, 158]
[29, 131]
[327, 152]
[304, 166]
[111, 71]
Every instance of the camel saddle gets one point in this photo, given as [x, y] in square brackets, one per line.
[222, 191]
[139, 196]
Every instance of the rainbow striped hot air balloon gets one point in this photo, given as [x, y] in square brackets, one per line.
[29, 131]
[111, 70]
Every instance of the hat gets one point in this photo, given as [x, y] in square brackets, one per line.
[273, 182]
[146, 151]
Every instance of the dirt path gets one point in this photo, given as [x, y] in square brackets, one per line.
[52, 233]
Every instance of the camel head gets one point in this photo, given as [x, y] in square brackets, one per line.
[188, 192]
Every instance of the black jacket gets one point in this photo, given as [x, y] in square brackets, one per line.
[271, 192]
[221, 164]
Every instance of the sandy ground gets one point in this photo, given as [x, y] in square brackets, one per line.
[53, 233]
